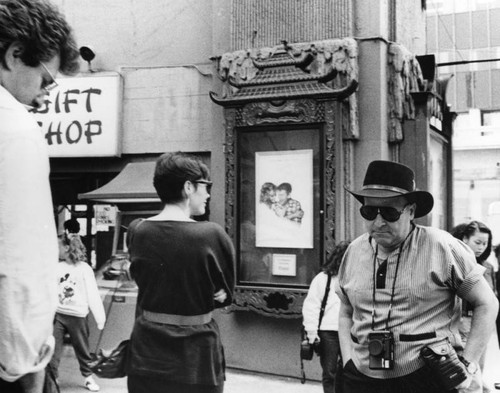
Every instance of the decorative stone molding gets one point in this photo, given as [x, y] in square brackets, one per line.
[299, 111]
[271, 302]
[330, 67]
[404, 77]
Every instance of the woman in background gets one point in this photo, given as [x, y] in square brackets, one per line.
[184, 270]
[478, 237]
[326, 334]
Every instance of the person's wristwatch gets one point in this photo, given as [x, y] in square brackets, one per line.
[471, 367]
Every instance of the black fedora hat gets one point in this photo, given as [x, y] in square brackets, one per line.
[388, 179]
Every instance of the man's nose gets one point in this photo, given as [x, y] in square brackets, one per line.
[379, 220]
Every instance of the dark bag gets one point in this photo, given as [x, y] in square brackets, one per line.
[442, 358]
[111, 364]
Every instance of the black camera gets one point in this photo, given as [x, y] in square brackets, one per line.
[442, 358]
[381, 350]
[307, 349]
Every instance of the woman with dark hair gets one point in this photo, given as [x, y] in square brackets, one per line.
[478, 237]
[184, 269]
[326, 332]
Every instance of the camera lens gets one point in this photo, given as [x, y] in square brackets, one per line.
[375, 347]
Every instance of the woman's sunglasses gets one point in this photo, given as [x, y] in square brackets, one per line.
[389, 214]
[207, 183]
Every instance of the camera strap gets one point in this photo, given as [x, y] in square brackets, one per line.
[393, 282]
[325, 299]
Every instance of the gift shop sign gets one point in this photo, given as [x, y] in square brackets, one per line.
[81, 116]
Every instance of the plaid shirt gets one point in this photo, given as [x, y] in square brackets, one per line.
[291, 207]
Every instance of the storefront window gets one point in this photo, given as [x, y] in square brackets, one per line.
[279, 200]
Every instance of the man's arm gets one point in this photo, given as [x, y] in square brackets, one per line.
[345, 324]
[297, 213]
[485, 309]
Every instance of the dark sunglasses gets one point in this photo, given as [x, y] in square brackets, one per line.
[389, 214]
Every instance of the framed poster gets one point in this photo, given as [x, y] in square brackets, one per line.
[279, 193]
[284, 198]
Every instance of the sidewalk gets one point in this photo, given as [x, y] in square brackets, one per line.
[241, 381]
[71, 381]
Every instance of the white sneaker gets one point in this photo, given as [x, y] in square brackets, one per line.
[91, 385]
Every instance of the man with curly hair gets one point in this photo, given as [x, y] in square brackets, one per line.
[35, 44]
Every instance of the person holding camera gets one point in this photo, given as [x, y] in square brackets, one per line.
[400, 286]
[321, 319]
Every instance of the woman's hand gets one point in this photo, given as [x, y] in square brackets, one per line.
[220, 296]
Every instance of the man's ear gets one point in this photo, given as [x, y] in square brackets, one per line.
[13, 54]
[413, 209]
[188, 188]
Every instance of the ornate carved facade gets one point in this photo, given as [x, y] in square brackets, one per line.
[285, 90]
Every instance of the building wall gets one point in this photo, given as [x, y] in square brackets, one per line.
[263, 23]
[162, 51]
[142, 33]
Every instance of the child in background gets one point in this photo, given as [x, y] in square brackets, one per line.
[78, 293]
[327, 334]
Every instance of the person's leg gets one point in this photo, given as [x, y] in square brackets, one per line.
[78, 330]
[354, 381]
[338, 376]
[11, 387]
[328, 354]
[59, 331]
[32, 383]
[153, 384]
[422, 380]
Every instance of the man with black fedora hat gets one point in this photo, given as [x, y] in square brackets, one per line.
[398, 284]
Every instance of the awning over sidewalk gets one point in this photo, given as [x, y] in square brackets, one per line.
[134, 184]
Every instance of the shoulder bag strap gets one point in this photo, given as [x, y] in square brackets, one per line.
[325, 299]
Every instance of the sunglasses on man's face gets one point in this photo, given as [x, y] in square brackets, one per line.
[389, 214]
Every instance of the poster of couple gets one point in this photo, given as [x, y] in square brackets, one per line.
[284, 199]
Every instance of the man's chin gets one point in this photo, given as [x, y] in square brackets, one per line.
[32, 106]
[38, 102]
